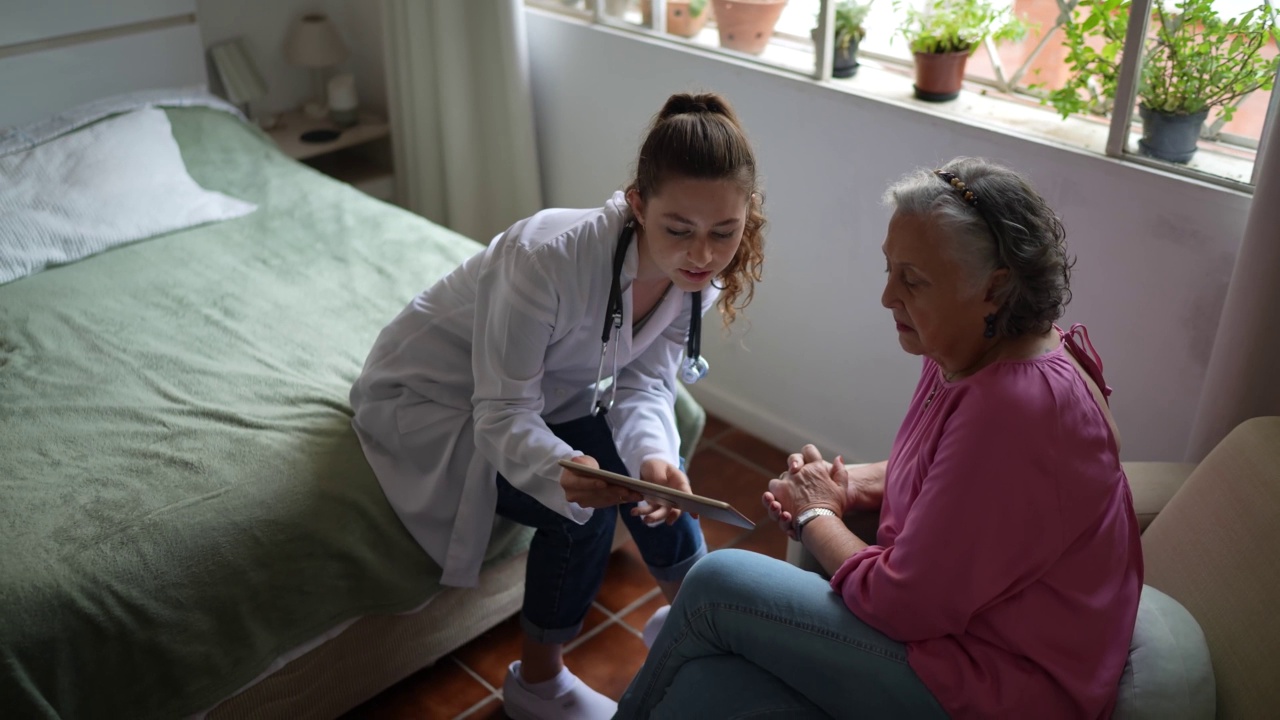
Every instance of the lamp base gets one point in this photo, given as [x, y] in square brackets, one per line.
[343, 118]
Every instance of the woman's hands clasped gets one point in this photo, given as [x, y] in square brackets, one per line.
[808, 482]
[593, 492]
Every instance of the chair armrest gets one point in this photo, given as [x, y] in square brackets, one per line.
[1153, 484]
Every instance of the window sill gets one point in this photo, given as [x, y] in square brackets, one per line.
[1024, 117]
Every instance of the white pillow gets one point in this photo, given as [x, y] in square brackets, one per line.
[112, 183]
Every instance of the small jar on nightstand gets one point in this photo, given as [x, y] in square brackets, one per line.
[359, 155]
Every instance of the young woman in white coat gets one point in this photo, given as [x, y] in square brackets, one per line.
[488, 378]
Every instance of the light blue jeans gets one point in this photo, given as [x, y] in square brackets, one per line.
[754, 637]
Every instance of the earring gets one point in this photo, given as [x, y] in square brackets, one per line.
[990, 332]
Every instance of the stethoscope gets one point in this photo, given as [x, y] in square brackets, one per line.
[692, 368]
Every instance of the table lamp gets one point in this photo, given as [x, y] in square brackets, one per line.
[314, 42]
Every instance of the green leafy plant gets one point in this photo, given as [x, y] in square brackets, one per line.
[696, 7]
[945, 26]
[850, 16]
[1193, 60]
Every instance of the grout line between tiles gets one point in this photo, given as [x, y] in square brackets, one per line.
[637, 603]
[590, 633]
[632, 608]
[476, 708]
[473, 674]
[604, 610]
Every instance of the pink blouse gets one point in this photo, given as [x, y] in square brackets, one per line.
[1008, 558]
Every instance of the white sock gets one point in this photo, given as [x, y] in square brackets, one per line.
[548, 689]
[654, 625]
[563, 697]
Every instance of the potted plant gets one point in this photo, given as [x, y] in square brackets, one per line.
[1193, 61]
[747, 25]
[849, 31]
[684, 17]
[945, 33]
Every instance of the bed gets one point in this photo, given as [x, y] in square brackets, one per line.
[184, 500]
[188, 527]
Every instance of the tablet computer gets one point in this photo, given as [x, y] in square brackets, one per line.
[703, 506]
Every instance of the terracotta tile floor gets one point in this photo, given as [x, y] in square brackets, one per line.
[729, 464]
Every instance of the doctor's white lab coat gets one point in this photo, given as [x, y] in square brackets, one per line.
[462, 383]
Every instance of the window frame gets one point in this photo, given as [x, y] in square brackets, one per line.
[1120, 124]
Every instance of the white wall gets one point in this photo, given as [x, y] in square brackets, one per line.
[821, 361]
[264, 25]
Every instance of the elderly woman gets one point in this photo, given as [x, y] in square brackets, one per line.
[1004, 579]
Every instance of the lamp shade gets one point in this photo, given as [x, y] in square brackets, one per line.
[314, 42]
[239, 76]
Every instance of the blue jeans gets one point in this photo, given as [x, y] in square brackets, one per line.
[750, 636]
[567, 561]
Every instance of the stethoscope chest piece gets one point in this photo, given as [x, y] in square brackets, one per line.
[693, 369]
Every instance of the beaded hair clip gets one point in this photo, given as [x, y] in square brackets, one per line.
[955, 182]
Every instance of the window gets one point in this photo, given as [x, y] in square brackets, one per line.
[1021, 82]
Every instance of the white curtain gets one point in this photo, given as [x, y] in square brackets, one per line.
[1243, 379]
[461, 107]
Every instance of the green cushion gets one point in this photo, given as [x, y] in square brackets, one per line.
[1169, 675]
[690, 421]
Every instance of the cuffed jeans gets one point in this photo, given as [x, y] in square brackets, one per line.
[567, 561]
[751, 636]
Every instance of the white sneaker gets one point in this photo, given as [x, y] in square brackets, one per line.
[654, 625]
[570, 699]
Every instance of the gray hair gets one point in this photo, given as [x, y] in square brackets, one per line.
[1010, 227]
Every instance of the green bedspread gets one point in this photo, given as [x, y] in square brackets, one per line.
[182, 498]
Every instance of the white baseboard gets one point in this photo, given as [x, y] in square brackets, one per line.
[768, 427]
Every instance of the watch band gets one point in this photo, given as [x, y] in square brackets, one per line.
[807, 516]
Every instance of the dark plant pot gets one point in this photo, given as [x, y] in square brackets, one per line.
[844, 63]
[939, 75]
[1170, 137]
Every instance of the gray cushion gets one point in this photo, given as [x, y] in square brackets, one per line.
[1169, 674]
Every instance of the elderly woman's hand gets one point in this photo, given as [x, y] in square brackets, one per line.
[809, 482]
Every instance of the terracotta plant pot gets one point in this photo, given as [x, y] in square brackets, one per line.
[939, 75]
[747, 25]
[680, 21]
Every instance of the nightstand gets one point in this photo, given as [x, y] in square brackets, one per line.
[359, 156]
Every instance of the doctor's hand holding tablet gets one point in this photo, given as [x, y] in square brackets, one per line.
[594, 490]
[582, 478]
